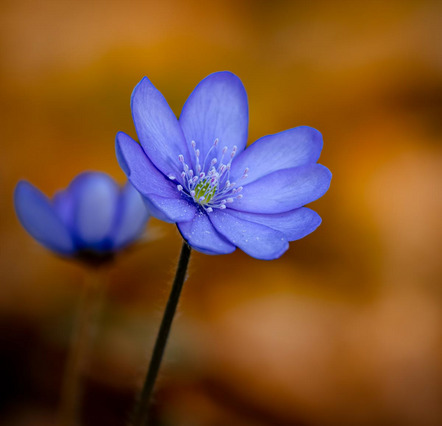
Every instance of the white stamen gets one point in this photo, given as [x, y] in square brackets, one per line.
[234, 149]
[212, 183]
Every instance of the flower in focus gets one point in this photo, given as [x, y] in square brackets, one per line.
[196, 172]
[90, 220]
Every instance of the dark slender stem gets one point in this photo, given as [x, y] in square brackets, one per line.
[142, 408]
[71, 392]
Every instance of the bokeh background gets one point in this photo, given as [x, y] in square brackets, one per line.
[346, 327]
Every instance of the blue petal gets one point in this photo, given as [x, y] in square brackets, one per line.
[216, 109]
[95, 210]
[284, 150]
[170, 210]
[202, 236]
[294, 224]
[41, 221]
[162, 197]
[140, 170]
[63, 204]
[132, 217]
[158, 129]
[284, 190]
[253, 238]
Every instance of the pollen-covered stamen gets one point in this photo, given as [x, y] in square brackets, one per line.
[197, 157]
[209, 186]
[245, 174]
[233, 151]
[214, 145]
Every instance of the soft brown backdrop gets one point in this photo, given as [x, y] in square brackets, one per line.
[345, 328]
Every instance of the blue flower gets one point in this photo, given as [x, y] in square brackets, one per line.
[196, 172]
[91, 219]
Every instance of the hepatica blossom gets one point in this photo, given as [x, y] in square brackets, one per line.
[91, 219]
[196, 172]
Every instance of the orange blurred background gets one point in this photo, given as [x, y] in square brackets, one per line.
[345, 328]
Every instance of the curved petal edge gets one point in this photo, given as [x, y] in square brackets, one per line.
[38, 217]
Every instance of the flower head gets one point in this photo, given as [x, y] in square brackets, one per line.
[91, 219]
[196, 172]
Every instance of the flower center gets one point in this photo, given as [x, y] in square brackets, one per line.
[208, 185]
[204, 191]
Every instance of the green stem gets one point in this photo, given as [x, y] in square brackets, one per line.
[142, 408]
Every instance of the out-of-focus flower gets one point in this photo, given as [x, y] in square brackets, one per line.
[91, 219]
[196, 172]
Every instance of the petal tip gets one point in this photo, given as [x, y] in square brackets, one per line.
[225, 77]
[140, 86]
[324, 181]
[21, 185]
[328, 174]
[22, 191]
[314, 135]
[37, 216]
[275, 255]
